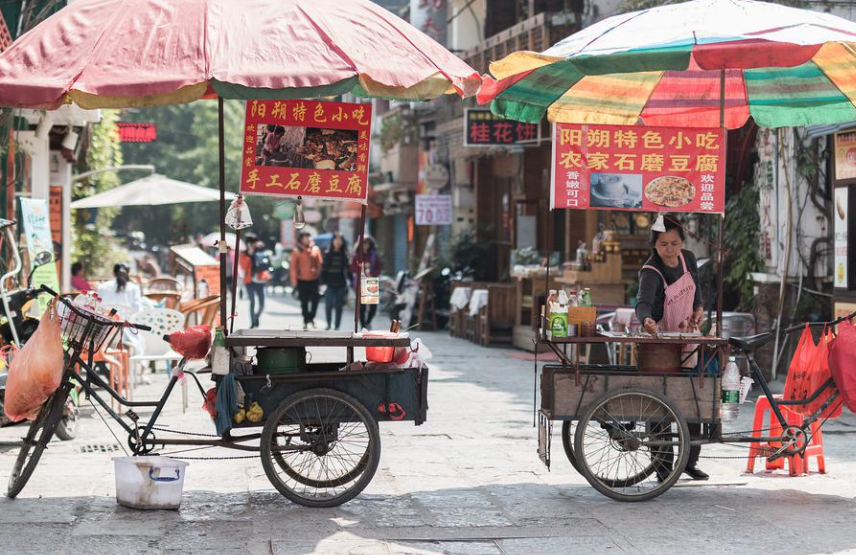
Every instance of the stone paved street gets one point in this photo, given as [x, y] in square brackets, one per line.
[468, 482]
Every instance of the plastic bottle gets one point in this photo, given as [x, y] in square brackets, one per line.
[573, 301]
[586, 297]
[559, 321]
[219, 355]
[730, 393]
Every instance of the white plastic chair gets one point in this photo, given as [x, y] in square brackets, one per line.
[163, 321]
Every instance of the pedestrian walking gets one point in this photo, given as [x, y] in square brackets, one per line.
[371, 267]
[335, 274]
[256, 269]
[305, 274]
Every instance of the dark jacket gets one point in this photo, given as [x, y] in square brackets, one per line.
[371, 263]
[652, 293]
[335, 271]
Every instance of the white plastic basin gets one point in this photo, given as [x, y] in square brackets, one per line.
[149, 482]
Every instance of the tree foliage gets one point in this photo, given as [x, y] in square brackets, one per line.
[93, 242]
[742, 239]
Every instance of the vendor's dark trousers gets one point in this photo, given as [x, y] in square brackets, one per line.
[664, 458]
[308, 293]
[256, 293]
[367, 314]
[334, 301]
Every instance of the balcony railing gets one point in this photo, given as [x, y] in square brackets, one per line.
[537, 34]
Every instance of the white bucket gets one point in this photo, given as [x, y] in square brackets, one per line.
[149, 482]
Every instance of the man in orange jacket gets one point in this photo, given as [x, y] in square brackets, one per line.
[305, 273]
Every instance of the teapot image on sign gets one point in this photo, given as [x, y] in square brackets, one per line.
[670, 191]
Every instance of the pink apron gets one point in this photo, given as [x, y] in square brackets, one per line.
[678, 307]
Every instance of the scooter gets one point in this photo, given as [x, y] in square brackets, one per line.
[17, 327]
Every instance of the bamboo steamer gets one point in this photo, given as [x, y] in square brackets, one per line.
[652, 357]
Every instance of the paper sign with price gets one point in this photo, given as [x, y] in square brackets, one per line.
[433, 209]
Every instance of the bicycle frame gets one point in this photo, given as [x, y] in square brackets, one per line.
[145, 438]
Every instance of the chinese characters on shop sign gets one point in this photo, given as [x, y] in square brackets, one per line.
[306, 148]
[482, 128]
[137, 132]
[607, 167]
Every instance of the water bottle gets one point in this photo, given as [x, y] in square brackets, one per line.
[730, 392]
[219, 355]
[573, 301]
[559, 321]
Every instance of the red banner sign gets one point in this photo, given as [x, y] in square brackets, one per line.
[307, 148]
[669, 169]
[137, 132]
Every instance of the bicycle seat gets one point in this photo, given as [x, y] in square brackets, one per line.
[752, 342]
[4, 223]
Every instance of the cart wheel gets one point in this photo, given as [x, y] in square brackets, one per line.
[631, 445]
[320, 448]
[568, 429]
[31, 451]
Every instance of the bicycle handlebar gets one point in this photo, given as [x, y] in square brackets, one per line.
[50, 291]
[47, 289]
[831, 323]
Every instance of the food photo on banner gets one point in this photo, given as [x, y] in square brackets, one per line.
[611, 167]
[306, 148]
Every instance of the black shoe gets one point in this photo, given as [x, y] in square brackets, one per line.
[695, 473]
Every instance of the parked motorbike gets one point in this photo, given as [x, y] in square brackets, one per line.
[17, 327]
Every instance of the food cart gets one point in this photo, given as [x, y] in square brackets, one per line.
[720, 63]
[305, 409]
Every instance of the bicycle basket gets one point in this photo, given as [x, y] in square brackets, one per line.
[85, 330]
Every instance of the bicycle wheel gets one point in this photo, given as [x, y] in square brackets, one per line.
[320, 448]
[632, 445]
[31, 450]
[568, 429]
[66, 429]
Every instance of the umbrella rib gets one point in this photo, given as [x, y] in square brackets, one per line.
[336, 48]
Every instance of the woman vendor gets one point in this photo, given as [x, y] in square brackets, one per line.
[669, 300]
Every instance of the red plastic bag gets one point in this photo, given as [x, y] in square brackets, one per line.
[795, 385]
[816, 374]
[36, 370]
[842, 363]
[192, 343]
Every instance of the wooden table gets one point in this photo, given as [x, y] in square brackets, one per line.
[285, 339]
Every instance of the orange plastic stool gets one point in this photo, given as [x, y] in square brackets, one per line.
[797, 465]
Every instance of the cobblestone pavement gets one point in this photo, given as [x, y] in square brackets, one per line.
[467, 482]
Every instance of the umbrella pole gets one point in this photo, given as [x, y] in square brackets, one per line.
[722, 217]
[359, 276]
[235, 280]
[224, 249]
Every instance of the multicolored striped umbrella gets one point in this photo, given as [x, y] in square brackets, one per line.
[667, 66]
[121, 53]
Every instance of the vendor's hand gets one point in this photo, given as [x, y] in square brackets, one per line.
[650, 326]
[697, 318]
